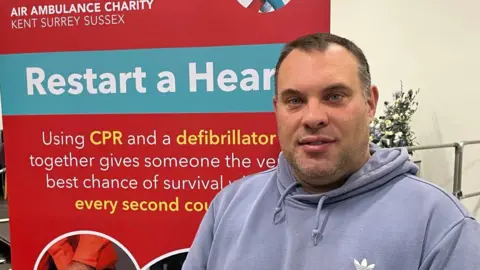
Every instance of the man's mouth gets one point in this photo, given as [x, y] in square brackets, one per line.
[315, 140]
[313, 143]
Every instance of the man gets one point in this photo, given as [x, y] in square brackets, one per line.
[334, 201]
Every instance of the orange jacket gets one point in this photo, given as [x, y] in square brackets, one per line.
[91, 250]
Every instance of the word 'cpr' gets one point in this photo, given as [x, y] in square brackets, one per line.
[102, 137]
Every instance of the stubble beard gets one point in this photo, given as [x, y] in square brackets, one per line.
[333, 170]
[319, 173]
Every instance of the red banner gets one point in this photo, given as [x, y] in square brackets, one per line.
[122, 120]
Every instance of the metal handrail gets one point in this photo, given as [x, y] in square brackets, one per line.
[458, 163]
[459, 166]
[439, 146]
[473, 194]
[434, 146]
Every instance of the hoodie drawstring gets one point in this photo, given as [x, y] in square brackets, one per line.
[316, 230]
[278, 208]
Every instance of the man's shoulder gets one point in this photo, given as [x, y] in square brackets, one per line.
[246, 188]
[250, 183]
[438, 216]
[429, 196]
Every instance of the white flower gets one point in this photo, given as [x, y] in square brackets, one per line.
[396, 116]
[398, 134]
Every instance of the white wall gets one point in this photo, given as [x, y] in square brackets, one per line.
[433, 45]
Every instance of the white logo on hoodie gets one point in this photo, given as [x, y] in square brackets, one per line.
[364, 265]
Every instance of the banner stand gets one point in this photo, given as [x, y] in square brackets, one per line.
[123, 119]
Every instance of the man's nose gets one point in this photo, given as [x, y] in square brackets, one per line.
[315, 115]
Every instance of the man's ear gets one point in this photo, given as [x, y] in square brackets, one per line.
[274, 102]
[373, 101]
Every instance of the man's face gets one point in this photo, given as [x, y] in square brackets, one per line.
[322, 114]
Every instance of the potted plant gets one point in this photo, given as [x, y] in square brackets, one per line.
[393, 128]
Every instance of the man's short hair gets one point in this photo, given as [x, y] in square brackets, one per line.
[320, 42]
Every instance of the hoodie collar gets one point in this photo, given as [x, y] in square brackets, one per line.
[383, 166]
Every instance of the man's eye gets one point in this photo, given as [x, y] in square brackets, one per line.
[294, 101]
[335, 97]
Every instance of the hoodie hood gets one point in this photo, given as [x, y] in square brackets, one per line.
[384, 165]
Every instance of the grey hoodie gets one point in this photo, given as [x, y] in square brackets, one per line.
[382, 218]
